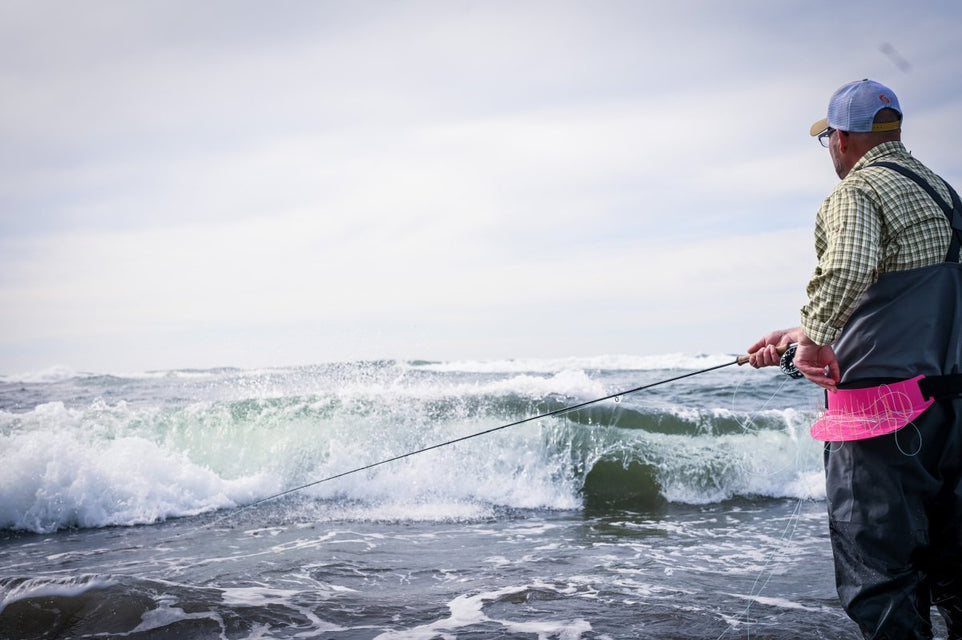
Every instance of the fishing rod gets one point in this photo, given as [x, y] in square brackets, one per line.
[786, 366]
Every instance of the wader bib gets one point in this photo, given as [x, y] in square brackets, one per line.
[895, 500]
[908, 323]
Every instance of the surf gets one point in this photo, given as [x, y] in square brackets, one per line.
[86, 450]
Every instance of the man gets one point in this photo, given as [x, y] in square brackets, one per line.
[884, 312]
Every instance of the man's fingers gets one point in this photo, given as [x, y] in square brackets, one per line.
[818, 374]
[763, 356]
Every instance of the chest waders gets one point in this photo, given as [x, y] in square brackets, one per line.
[902, 348]
[893, 456]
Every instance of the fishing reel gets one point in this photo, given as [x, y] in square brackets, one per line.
[787, 363]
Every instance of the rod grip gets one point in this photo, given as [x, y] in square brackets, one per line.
[743, 359]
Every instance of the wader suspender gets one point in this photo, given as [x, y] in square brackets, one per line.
[953, 213]
[945, 386]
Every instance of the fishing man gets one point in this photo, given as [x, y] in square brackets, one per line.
[883, 321]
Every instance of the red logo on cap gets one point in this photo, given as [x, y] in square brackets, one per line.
[884, 98]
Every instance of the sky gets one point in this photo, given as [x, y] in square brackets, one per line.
[253, 184]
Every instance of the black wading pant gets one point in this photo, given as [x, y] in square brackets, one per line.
[895, 516]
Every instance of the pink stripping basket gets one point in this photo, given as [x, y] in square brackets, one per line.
[857, 414]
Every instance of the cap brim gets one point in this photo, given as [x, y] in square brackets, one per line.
[819, 127]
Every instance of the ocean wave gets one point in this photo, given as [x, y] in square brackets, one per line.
[614, 362]
[110, 451]
[56, 373]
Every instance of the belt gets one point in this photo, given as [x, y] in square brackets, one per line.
[942, 387]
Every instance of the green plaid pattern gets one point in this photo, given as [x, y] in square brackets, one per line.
[874, 222]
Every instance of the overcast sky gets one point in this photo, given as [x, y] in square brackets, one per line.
[239, 183]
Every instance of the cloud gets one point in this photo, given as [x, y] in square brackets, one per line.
[213, 184]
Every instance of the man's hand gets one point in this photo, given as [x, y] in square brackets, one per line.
[818, 363]
[764, 352]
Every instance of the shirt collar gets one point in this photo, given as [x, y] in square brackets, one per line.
[879, 151]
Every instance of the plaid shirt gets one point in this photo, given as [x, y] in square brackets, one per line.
[874, 222]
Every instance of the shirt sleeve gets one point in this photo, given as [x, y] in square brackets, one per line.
[847, 234]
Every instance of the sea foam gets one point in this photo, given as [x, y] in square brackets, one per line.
[390, 440]
[59, 475]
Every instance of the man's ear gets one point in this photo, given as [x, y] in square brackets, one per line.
[843, 140]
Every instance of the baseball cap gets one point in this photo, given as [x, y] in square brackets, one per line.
[853, 108]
